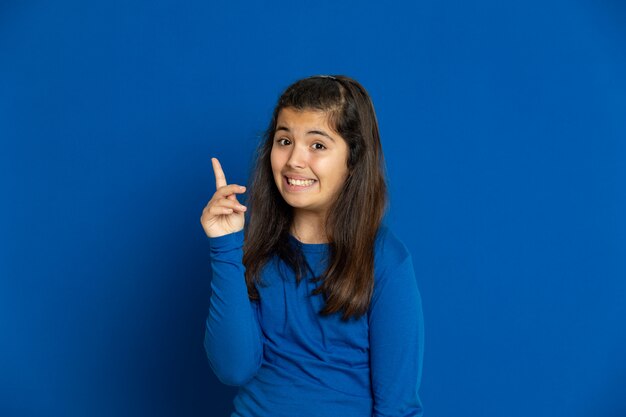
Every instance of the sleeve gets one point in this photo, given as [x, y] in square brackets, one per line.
[396, 342]
[232, 340]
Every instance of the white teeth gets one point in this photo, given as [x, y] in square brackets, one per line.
[300, 182]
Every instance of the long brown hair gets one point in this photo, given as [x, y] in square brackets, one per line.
[353, 218]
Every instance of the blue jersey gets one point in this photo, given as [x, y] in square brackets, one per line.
[290, 361]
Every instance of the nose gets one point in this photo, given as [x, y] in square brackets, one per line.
[297, 158]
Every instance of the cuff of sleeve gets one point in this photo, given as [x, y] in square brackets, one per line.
[227, 242]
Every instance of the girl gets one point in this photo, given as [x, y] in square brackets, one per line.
[314, 309]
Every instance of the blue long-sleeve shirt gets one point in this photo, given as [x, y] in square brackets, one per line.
[288, 360]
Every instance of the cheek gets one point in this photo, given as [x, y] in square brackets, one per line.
[332, 176]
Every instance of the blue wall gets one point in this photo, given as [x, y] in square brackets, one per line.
[504, 130]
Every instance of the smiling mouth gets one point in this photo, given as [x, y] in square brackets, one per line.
[300, 183]
[295, 185]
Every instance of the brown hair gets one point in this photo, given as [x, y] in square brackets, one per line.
[353, 219]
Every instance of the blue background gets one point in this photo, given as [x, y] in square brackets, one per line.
[503, 126]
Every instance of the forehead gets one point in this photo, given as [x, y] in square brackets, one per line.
[294, 118]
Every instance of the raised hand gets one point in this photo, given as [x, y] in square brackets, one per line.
[223, 214]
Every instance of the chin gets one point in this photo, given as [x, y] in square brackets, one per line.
[296, 202]
[293, 202]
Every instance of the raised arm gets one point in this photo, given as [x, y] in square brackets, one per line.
[233, 340]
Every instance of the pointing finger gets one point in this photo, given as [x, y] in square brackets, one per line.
[220, 178]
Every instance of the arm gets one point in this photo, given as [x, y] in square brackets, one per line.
[396, 343]
[233, 340]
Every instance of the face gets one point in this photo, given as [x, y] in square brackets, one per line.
[307, 150]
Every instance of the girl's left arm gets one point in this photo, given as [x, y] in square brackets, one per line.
[396, 329]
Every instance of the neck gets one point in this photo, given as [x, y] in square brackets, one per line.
[308, 227]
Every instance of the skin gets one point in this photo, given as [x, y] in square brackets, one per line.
[322, 156]
[223, 214]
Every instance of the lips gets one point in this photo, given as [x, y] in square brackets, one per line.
[297, 177]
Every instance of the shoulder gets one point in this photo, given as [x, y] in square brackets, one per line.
[388, 248]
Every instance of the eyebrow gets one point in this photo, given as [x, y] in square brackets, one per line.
[310, 132]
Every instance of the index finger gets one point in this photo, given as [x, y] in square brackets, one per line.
[220, 178]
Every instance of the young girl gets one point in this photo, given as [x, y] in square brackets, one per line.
[314, 309]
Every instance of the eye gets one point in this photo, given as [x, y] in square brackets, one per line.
[279, 141]
[322, 146]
